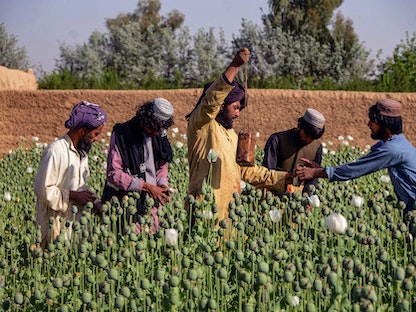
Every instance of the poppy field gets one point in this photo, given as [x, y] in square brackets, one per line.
[345, 247]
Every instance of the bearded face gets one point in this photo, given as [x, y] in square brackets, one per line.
[85, 144]
[224, 119]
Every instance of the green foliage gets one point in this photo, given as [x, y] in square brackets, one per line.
[398, 73]
[11, 55]
[282, 255]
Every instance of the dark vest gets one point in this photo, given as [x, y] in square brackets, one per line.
[291, 150]
[130, 140]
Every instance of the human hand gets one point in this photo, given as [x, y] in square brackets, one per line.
[308, 163]
[241, 57]
[159, 193]
[82, 197]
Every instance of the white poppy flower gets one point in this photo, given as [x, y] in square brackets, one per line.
[177, 161]
[340, 138]
[179, 144]
[102, 141]
[29, 170]
[207, 214]
[324, 151]
[332, 153]
[242, 184]
[323, 144]
[95, 157]
[367, 147]
[349, 137]
[173, 135]
[295, 300]
[257, 134]
[314, 201]
[175, 130]
[385, 179]
[357, 201]
[184, 137]
[7, 196]
[336, 223]
[171, 237]
[275, 215]
[346, 143]
[212, 156]
[330, 143]
[35, 138]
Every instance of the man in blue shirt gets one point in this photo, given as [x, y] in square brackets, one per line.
[393, 151]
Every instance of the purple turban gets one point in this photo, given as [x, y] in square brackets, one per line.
[236, 94]
[86, 115]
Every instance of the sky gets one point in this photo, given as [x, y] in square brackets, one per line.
[41, 26]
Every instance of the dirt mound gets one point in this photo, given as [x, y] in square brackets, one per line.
[13, 79]
[42, 113]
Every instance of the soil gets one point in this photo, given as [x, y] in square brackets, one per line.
[42, 113]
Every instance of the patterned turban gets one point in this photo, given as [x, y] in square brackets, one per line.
[86, 115]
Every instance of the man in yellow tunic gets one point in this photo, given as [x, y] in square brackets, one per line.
[210, 127]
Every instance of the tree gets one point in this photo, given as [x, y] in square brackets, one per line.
[398, 73]
[298, 17]
[11, 55]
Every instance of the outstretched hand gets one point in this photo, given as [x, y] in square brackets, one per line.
[309, 170]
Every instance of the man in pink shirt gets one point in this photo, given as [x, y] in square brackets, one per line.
[139, 157]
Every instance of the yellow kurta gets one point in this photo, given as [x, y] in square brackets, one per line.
[204, 133]
[61, 170]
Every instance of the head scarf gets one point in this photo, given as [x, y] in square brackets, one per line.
[87, 115]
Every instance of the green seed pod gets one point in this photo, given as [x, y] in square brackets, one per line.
[261, 279]
[239, 255]
[18, 298]
[407, 284]
[222, 273]
[348, 263]
[203, 304]
[113, 274]
[174, 281]
[192, 275]
[366, 305]
[119, 304]
[399, 274]
[86, 297]
[145, 284]
[310, 307]
[195, 292]
[248, 307]
[305, 283]
[263, 267]
[223, 224]
[209, 260]
[125, 292]
[57, 282]
[186, 284]
[244, 276]
[410, 270]
[332, 279]
[104, 287]
[317, 284]
[288, 276]
[63, 308]
[51, 293]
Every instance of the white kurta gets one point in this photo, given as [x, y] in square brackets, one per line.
[61, 170]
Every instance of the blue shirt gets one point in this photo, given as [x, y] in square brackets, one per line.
[397, 154]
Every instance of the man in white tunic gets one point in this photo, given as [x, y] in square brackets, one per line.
[61, 180]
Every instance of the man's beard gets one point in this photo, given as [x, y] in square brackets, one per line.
[379, 135]
[224, 120]
[84, 145]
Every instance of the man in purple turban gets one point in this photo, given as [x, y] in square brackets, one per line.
[61, 182]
